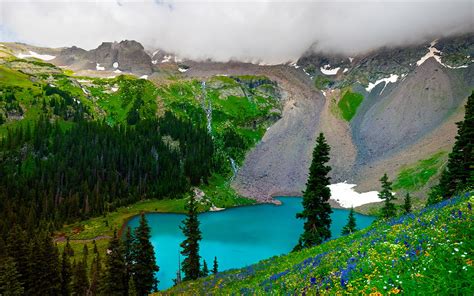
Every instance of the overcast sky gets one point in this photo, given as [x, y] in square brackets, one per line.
[263, 31]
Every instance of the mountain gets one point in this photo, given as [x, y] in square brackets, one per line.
[389, 110]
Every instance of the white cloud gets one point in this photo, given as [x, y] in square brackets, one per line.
[264, 31]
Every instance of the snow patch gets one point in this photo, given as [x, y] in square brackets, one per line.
[326, 70]
[98, 67]
[215, 209]
[294, 65]
[433, 52]
[345, 70]
[166, 59]
[345, 195]
[351, 59]
[182, 70]
[32, 54]
[391, 79]
[115, 65]
[117, 71]
[144, 77]
[155, 52]
[154, 62]
[114, 89]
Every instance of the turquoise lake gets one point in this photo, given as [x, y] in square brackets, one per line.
[238, 236]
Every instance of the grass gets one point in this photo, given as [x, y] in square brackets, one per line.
[105, 225]
[428, 252]
[349, 104]
[416, 176]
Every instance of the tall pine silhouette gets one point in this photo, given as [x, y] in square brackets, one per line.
[350, 227]
[316, 209]
[386, 194]
[190, 246]
[144, 263]
[114, 280]
[459, 172]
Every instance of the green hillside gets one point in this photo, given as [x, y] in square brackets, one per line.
[417, 253]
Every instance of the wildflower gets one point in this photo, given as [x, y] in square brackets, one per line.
[395, 291]
[469, 206]
[313, 281]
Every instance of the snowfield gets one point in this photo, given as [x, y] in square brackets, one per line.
[32, 54]
[391, 79]
[99, 68]
[433, 52]
[326, 70]
[345, 195]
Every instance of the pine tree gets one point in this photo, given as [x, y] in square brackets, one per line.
[215, 266]
[386, 194]
[10, 284]
[190, 246]
[407, 204]
[128, 251]
[80, 282]
[205, 269]
[132, 290]
[115, 274]
[68, 249]
[459, 172]
[144, 263]
[95, 275]
[316, 209]
[66, 274]
[350, 227]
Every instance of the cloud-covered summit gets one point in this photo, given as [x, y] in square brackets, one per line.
[263, 31]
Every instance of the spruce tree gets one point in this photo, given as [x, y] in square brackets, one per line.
[386, 194]
[316, 209]
[10, 284]
[80, 282]
[407, 204]
[114, 280]
[350, 227]
[205, 269]
[459, 172]
[95, 275]
[66, 274]
[190, 246]
[215, 266]
[128, 251]
[144, 262]
[132, 289]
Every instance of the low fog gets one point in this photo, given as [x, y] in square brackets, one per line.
[268, 32]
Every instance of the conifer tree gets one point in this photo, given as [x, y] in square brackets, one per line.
[66, 274]
[407, 204]
[215, 266]
[128, 251]
[316, 209]
[95, 275]
[17, 247]
[205, 269]
[115, 274]
[350, 227]
[10, 284]
[132, 290]
[459, 172]
[144, 263]
[190, 246]
[80, 282]
[386, 194]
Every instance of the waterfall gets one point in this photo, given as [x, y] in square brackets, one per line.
[207, 106]
[234, 167]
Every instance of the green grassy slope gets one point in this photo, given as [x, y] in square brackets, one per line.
[349, 104]
[429, 252]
